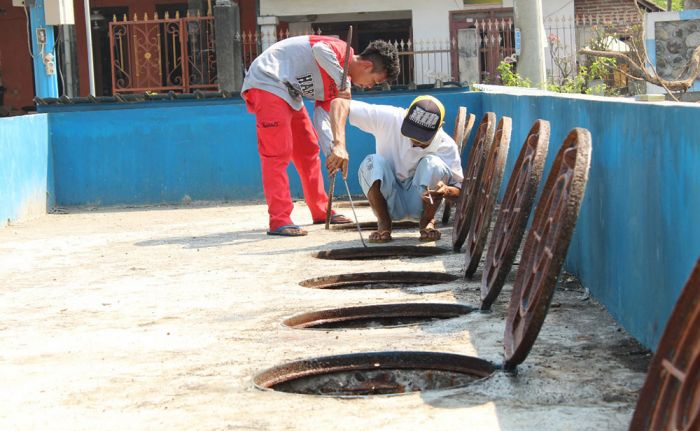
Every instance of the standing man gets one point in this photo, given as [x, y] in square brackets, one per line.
[309, 66]
[416, 163]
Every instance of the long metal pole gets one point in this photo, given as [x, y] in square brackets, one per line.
[343, 85]
[88, 36]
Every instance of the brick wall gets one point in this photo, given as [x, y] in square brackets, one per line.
[610, 9]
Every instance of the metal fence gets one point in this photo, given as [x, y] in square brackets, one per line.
[567, 35]
[422, 62]
[178, 54]
[158, 55]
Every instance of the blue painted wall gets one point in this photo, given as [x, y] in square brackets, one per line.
[25, 177]
[637, 236]
[163, 152]
[634, 246]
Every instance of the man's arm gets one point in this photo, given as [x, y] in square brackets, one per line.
[328, 61]
[338, 158]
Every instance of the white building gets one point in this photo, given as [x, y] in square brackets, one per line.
[450, 38]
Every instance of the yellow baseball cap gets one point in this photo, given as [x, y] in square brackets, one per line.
[423, 119]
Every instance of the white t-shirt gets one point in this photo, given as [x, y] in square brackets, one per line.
[384, 122]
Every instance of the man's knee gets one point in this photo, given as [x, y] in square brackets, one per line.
[372, 161]
[432, 167]
[373, 167]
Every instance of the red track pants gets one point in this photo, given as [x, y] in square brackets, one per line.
[285, 135]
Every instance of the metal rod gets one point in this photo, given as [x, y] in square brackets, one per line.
[352, 205]
[331, 190]
[343, 85]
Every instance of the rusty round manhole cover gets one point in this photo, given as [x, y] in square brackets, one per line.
[372, 225]
[447, 208]
[472, 178]
[384, 252]
[486, 195]
[514, 212]
[379, 280]
[459, 137]
[670, 397]
[468, 130]
[375, 373]
[546, 246]
[460, 124]
[377, 316]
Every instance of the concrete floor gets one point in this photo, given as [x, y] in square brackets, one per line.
[159, 318]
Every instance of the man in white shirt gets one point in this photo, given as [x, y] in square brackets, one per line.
[415, 166]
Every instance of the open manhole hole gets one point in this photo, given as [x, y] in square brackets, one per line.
[357, 202]
[382, 252]
[377, 316]
[378, 373]
[383, 373]
[372, 225]
[379, 280]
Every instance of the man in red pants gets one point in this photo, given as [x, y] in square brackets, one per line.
[309, 66]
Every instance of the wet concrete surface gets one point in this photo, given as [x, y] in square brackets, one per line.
[159, 318]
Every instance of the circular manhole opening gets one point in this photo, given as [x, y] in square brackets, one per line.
[383, 252]
[378, 373]
[372, 225]
[377, 316]
[356, 202]
[379, 280]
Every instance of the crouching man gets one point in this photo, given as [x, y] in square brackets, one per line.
[415, 166]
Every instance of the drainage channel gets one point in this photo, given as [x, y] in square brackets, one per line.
[381, 252]
[381, 373]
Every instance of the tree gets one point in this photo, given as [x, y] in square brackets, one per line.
[641, 68]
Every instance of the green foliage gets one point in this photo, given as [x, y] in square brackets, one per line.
[511, 78]
[588, 80]
[677, 4]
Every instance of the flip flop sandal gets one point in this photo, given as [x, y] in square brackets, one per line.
[424, 235]
[284, 231]
[383, 237]
[335, 219]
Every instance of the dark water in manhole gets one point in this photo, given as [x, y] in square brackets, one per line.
[375, 322]
[379, 252]
[375, 382]
[379, 280]
[372, 225]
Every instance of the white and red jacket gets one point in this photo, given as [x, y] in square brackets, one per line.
[302, 66]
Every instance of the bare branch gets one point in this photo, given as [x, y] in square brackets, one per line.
[653, 78]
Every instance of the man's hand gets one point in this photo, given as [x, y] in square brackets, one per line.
[441, 190]
[338, 159]
[345, 94]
